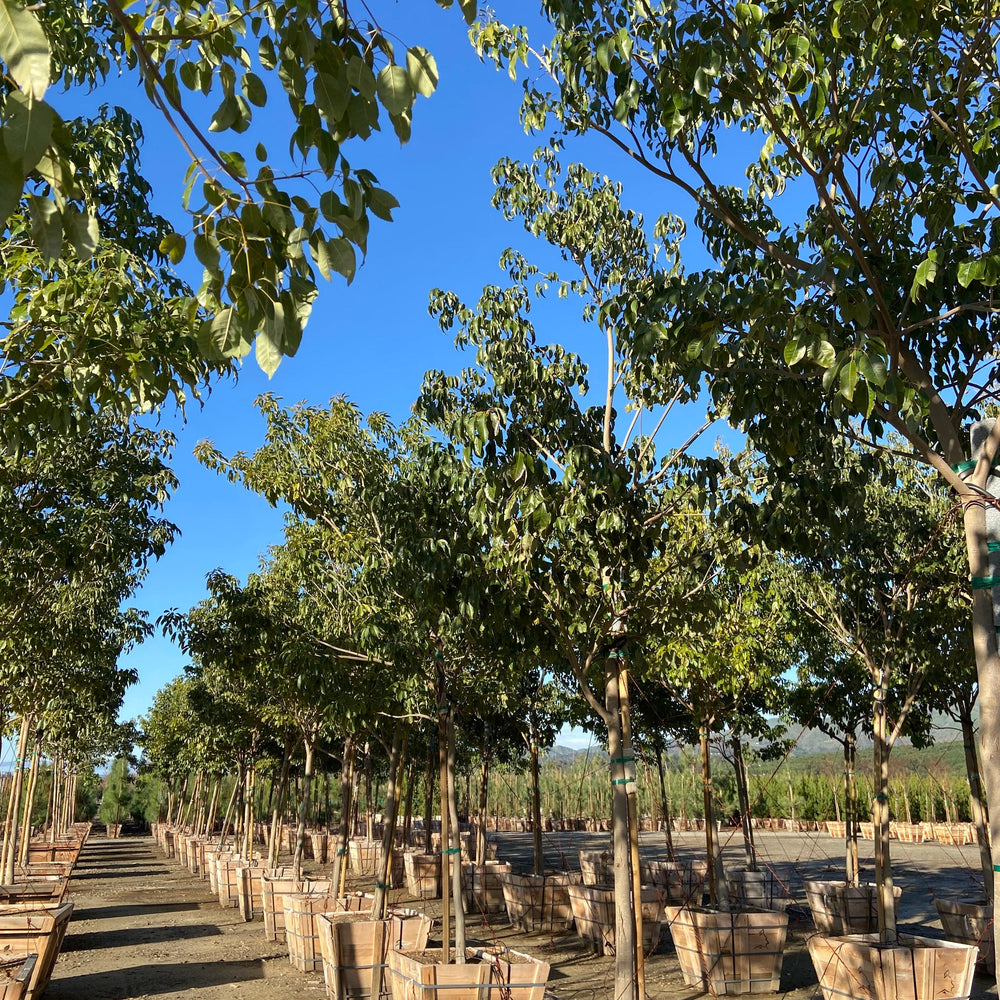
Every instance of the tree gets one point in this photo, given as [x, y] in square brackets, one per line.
[260, 236]
[870, 298]
[574, 512]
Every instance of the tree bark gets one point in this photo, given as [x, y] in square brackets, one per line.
[278, 805]
[880, 817]
[628, 759]
[429, 796]
[343, 832]
[14, 803]
[980, 813]
[484, 777]
[29, 799]
[850, 810]
[665, 806]
[309, 743]
[443, 788]
[389, 824]
[455, 844]
[247, 849]
[706, 795]
[536, 802]
[626, 984]
[743, 796]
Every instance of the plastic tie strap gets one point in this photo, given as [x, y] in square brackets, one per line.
[623, 760]
[381, 885]
[985, 582]
[341, 850]
[993, 546]
[996, 868]
[621, 781]
[881, 798]
[967, 466]
[450, 850]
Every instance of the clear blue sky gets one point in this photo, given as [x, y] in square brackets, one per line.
[374, 340]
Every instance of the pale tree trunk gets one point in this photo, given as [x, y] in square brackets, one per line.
[181, 797]
[984, 639]
[14, 803]
[980, 814]
[628, 759]
[278, 811]
[309, 742]
[428, 796]
[880, 817]
[51, 797]
[369, 804]
[190, 815]
[227, 820]
[408, 804]
[706, 794]
[343, 833]
[455, 851]
[213, 806]
[389, 825]
[29, 799]
[626, 984]
[57, 795]
[247, 849]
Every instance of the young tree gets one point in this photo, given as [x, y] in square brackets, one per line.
[852, 270]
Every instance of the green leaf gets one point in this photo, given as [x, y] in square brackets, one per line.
[925, 275]
[393, 87]
[321, 255]
[11, 186]
[797, 45]
[206, 249]
[342, 257]
[795, 351]
[422, 70]
[268, 350]
[46, 226]
[254, 89]
[225, 115]
[872, 369]
[332, 96]
[381, 203]
[173, 246]
[968, 272]
[849, 378]
[25, 49]
[28, 131]
[83, 231]
[824, 354]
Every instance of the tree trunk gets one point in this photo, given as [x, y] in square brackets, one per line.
[536, 802]
[880, 818]
[29, 799]
[743, 796]
[389, 824]
[343, 833]
[706, 794]
[628, 760]
[484, 777]
[408, 804]
[455, 846]
[980, 813]
[369, 805]
[248, 811]
[443, 790]
[626, 985]
[278, 805]
[850, 810]
[227, 820]
[213, 806]
[428, 795]
[309, 743]
[665, 806]
[14, 803]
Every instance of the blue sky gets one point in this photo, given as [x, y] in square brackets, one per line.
[374, 340]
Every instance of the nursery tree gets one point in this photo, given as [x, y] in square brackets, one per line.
[261, 236]
[853, 266]
[572, 507]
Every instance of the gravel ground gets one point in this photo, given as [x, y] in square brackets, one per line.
[144, 927]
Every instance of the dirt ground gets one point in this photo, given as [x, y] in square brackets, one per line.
[144, 927]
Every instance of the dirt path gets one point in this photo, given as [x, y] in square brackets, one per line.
[144, 927]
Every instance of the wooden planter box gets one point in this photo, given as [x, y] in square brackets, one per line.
[320, 846]
[423, 875]
[839, 909]
[415, 975]
[192, 852]
[227, 879]
[539, 904]
[275, 884]
[43, 869]
[15, 974]
[397, 868]
[482, 886]
[355, 950]
[168, 843]
[60, 850]
[680, 882]
[969, 922]
[114, 830]
[594, 915]
[513, 974]
[363, 855]
[597, 867]
[210, 869]
[729, 952]
[38, 932]
[249, 889]
[301, 933]
[916, 969]
[910, 833]
[42, 891]
[758, 890]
